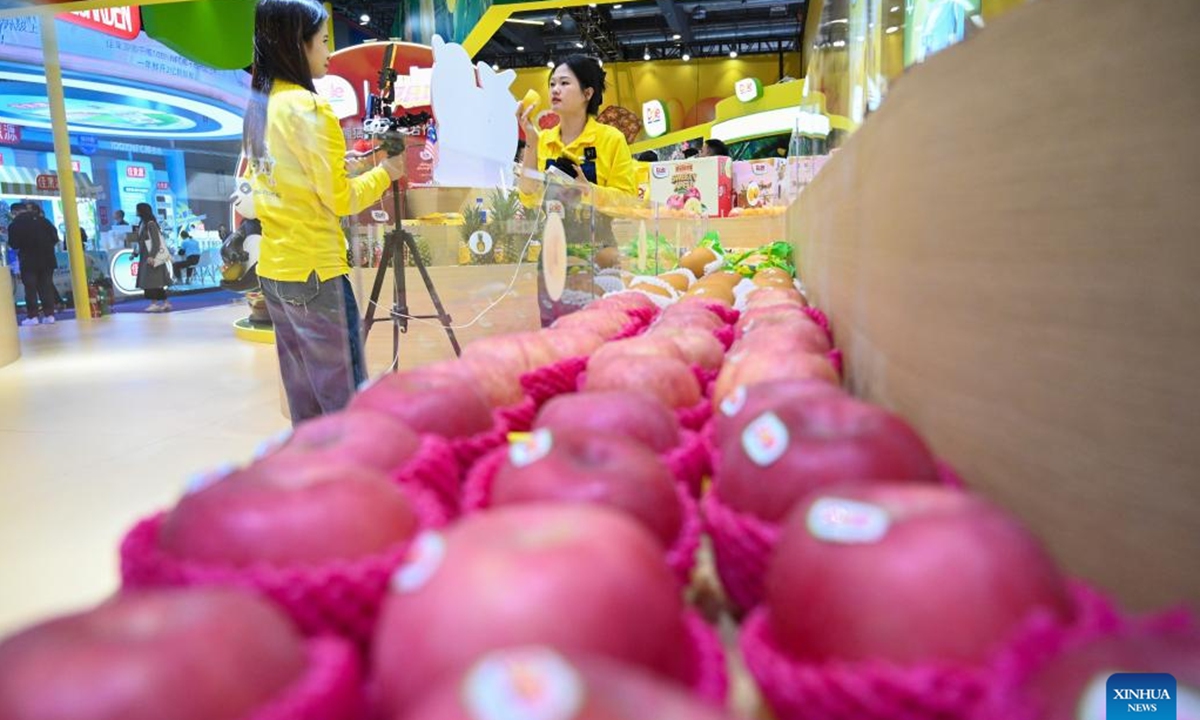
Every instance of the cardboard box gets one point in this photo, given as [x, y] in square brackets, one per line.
[758, 183]
[1028, 299]
[674, 183]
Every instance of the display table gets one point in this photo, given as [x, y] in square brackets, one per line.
[10, 342]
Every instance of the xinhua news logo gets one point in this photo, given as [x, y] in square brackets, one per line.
[1145, 696]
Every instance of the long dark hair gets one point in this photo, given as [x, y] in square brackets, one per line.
[590, 74]
[282, 29]
[145, 213]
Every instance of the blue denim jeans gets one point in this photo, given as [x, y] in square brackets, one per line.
[318, 338]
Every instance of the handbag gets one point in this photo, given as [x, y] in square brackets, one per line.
[162, 257]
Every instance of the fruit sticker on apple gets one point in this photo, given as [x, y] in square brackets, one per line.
[849, 522]
[523, 684]
[531, 448]
[765, 439]
[423, 560]
[734, 403]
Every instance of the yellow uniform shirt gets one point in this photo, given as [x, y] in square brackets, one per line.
[614, 163]
[302, 189]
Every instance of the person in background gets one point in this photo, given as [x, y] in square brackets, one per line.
[714, 148]
[119, 218]
[579, 145]
[152, 276]
[647, 156]
[189, 254]
[690, 152]
[35, 239]
[296, 154]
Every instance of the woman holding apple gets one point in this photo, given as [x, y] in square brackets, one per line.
[579, 146]
[297, 167]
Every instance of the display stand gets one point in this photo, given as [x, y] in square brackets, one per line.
[397, 246]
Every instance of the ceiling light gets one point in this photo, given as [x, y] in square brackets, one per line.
[617, 6]
[895, 8]
[579, 45]
[523, 21]
[892, 29]
[592, 5]
[520, 48]
[364, 18]
[733, 53]
[646, 55]
[839, 43]
[686, 57]
[558, 18]
[496, 67]
[676, 36]
[550, 64]
[600, 61]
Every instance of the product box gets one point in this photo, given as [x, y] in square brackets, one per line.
[759, 183]
[641, 175]
[697, 186]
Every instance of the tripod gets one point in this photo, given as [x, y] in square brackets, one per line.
[397, 245]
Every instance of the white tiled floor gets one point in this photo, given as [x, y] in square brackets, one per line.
[102, 424]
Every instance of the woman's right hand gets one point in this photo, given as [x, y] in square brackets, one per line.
[528, 125]
[394, 166]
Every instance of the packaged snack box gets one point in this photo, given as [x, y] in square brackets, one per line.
[697, 186]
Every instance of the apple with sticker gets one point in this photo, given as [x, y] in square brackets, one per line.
[908, 574]
[792, 450]
[579, 465]
[542, 683]
[581, 578]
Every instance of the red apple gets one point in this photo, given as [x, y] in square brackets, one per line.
[690, 316]
[794, 335]
[1072, 685]
[622, 301]
[196, 654]
[362, 437]
[772, 296]
[778, 321]
[579, 465]
[786, 453]
[539, 351]
[906, 574]
[668, 379]
[571, 342]
[509, 351]
[499, 378]
[540, 682]
[429, 402]
[749, 368]
[580, 578]
[604, 322]
[634, 348]
[746, 403]
[698, 346]
[635, 415]
[289, 511]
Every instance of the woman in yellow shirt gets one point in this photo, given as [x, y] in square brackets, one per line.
[599, 152]
[580, 146]
[297, 158]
